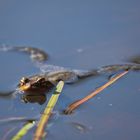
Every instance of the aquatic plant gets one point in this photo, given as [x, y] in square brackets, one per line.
[23, 131]
[48, 111]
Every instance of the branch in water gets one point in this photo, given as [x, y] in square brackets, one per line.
[76, 104]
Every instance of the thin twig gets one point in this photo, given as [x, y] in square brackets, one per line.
[77, 103]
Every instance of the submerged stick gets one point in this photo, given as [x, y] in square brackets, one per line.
[47, 112]
[22, 132]
[77, 103]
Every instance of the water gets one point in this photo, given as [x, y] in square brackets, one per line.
[76, 34]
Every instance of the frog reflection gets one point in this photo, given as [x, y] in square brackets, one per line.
[34, 98]
[34, 89]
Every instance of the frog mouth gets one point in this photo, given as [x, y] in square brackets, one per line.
[24, 87]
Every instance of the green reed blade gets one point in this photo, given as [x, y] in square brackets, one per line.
[47, 112]
[24, 130]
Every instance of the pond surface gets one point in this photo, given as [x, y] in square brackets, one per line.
[81, 34]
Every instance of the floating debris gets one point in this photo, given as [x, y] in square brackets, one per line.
[76, 104]
[80, 50]
[110, 104]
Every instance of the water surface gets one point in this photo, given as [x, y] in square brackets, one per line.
[81, 34]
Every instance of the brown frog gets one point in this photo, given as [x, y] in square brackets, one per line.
[43, 83]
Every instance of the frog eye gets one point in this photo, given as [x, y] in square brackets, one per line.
[24, 80]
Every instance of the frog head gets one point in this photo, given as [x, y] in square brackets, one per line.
[35, 84]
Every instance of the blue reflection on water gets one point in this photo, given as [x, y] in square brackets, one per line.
[77, 34]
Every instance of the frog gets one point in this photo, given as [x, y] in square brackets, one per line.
[40, 84]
